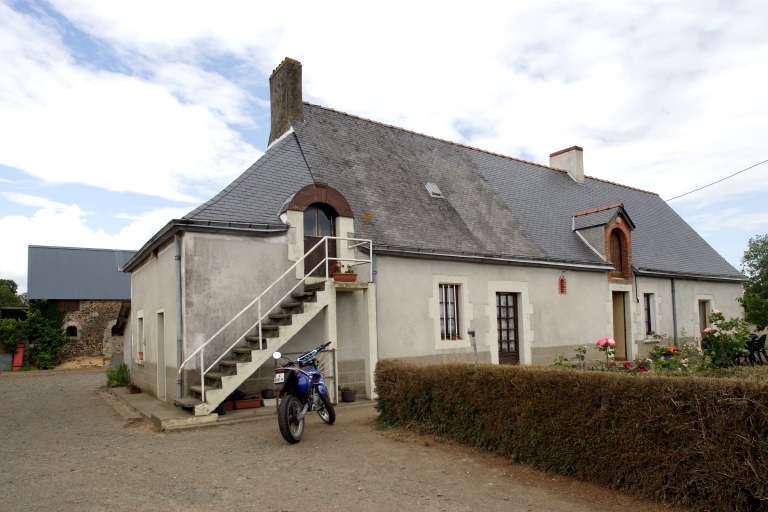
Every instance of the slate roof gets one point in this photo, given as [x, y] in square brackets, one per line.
[67, 273]
[493, 205]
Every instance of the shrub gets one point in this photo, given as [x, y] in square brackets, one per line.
[605, 427]
[44, 327]
[724, 343]
[118, 376]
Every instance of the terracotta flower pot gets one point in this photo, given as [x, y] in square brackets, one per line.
[344, 277]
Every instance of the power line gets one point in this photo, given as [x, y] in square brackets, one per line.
[718, 181]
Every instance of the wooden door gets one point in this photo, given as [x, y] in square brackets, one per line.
[507, 328]
[318, 222]
[620, 325]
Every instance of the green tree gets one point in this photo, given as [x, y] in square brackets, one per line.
[755, 266]
[8, 295]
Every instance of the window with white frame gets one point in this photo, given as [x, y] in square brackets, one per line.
[450, 325]
[141, 340]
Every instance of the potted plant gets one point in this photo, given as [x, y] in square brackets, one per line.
[341, 275]
[347, 394]
[133, 388]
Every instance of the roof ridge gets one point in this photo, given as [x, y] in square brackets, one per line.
[465, 146]
[599, 209]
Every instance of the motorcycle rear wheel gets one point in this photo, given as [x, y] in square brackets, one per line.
[291, 426]
[327, 413]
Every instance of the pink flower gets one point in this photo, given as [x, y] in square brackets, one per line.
[729, 333]
[698, 338]
[611, 342]
[709, 329]
[716, 311]
[601, 342]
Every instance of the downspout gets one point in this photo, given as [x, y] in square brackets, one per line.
[674, 309]
[179, 336]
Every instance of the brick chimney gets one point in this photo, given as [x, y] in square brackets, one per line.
[571, 160]
[285, 97]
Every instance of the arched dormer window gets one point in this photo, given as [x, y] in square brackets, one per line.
[617, 253]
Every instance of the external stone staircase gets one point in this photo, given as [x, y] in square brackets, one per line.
[244, 361]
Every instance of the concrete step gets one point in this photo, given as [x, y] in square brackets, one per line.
[199, 389]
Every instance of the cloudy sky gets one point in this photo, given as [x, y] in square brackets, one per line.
[116, 117]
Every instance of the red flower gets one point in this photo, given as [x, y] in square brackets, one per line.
[627, 364]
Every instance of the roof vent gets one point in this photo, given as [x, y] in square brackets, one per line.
[434, 190]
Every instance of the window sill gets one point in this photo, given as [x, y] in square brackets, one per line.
[648, 341]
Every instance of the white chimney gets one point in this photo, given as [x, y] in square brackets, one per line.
[571, 160]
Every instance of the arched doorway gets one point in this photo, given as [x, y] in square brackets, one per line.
[319, 221]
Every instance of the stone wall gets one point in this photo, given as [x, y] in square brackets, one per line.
[94, 322]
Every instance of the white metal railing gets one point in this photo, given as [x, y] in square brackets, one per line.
[356, 242]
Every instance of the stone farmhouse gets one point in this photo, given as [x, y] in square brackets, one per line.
[459, 252]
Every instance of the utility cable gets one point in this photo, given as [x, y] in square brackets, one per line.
[718, 181]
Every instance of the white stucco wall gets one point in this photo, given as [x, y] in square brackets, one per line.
[549, 322]
[153, 292]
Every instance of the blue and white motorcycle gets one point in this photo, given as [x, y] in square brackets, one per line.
[301, 387]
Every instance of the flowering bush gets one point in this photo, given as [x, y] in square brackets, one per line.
[661, 351]
[724, 343]
[606, 345]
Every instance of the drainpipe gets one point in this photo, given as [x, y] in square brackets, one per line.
[674, 309]
[179, 336]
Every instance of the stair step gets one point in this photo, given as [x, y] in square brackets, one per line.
[216, 375]
[257, 342]
[291, 305]
[242, 350]
[314, 287]
[199, 389]
[281, 318]
[303, 296]
[269, 327]
[187, 402]
[230, 362]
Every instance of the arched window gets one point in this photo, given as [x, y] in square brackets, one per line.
[617, 253]
[562, 285]
[72, 331]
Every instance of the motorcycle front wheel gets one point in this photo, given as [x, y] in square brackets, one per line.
[327, 413]
[291, 425]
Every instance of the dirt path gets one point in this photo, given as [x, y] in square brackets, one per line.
[64, 448]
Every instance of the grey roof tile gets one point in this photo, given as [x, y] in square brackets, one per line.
[492, 205]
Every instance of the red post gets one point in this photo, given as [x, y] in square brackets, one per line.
[18, 356]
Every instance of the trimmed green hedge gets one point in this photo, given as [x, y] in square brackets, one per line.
[695, 442]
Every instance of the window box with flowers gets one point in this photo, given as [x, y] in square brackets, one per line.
[341, 275]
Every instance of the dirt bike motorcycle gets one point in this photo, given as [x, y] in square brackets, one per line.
[301, 387]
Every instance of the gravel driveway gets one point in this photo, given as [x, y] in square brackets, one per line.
[65, 448]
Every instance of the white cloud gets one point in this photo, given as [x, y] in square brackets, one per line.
[28, 200]
[63, 122]
[65, 226]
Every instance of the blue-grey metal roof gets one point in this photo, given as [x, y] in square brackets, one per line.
[492, 205]
[69, 273]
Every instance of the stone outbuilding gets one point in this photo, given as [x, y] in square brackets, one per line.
[90, 287]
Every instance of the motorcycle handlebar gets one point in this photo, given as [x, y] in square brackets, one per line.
[308, 356]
